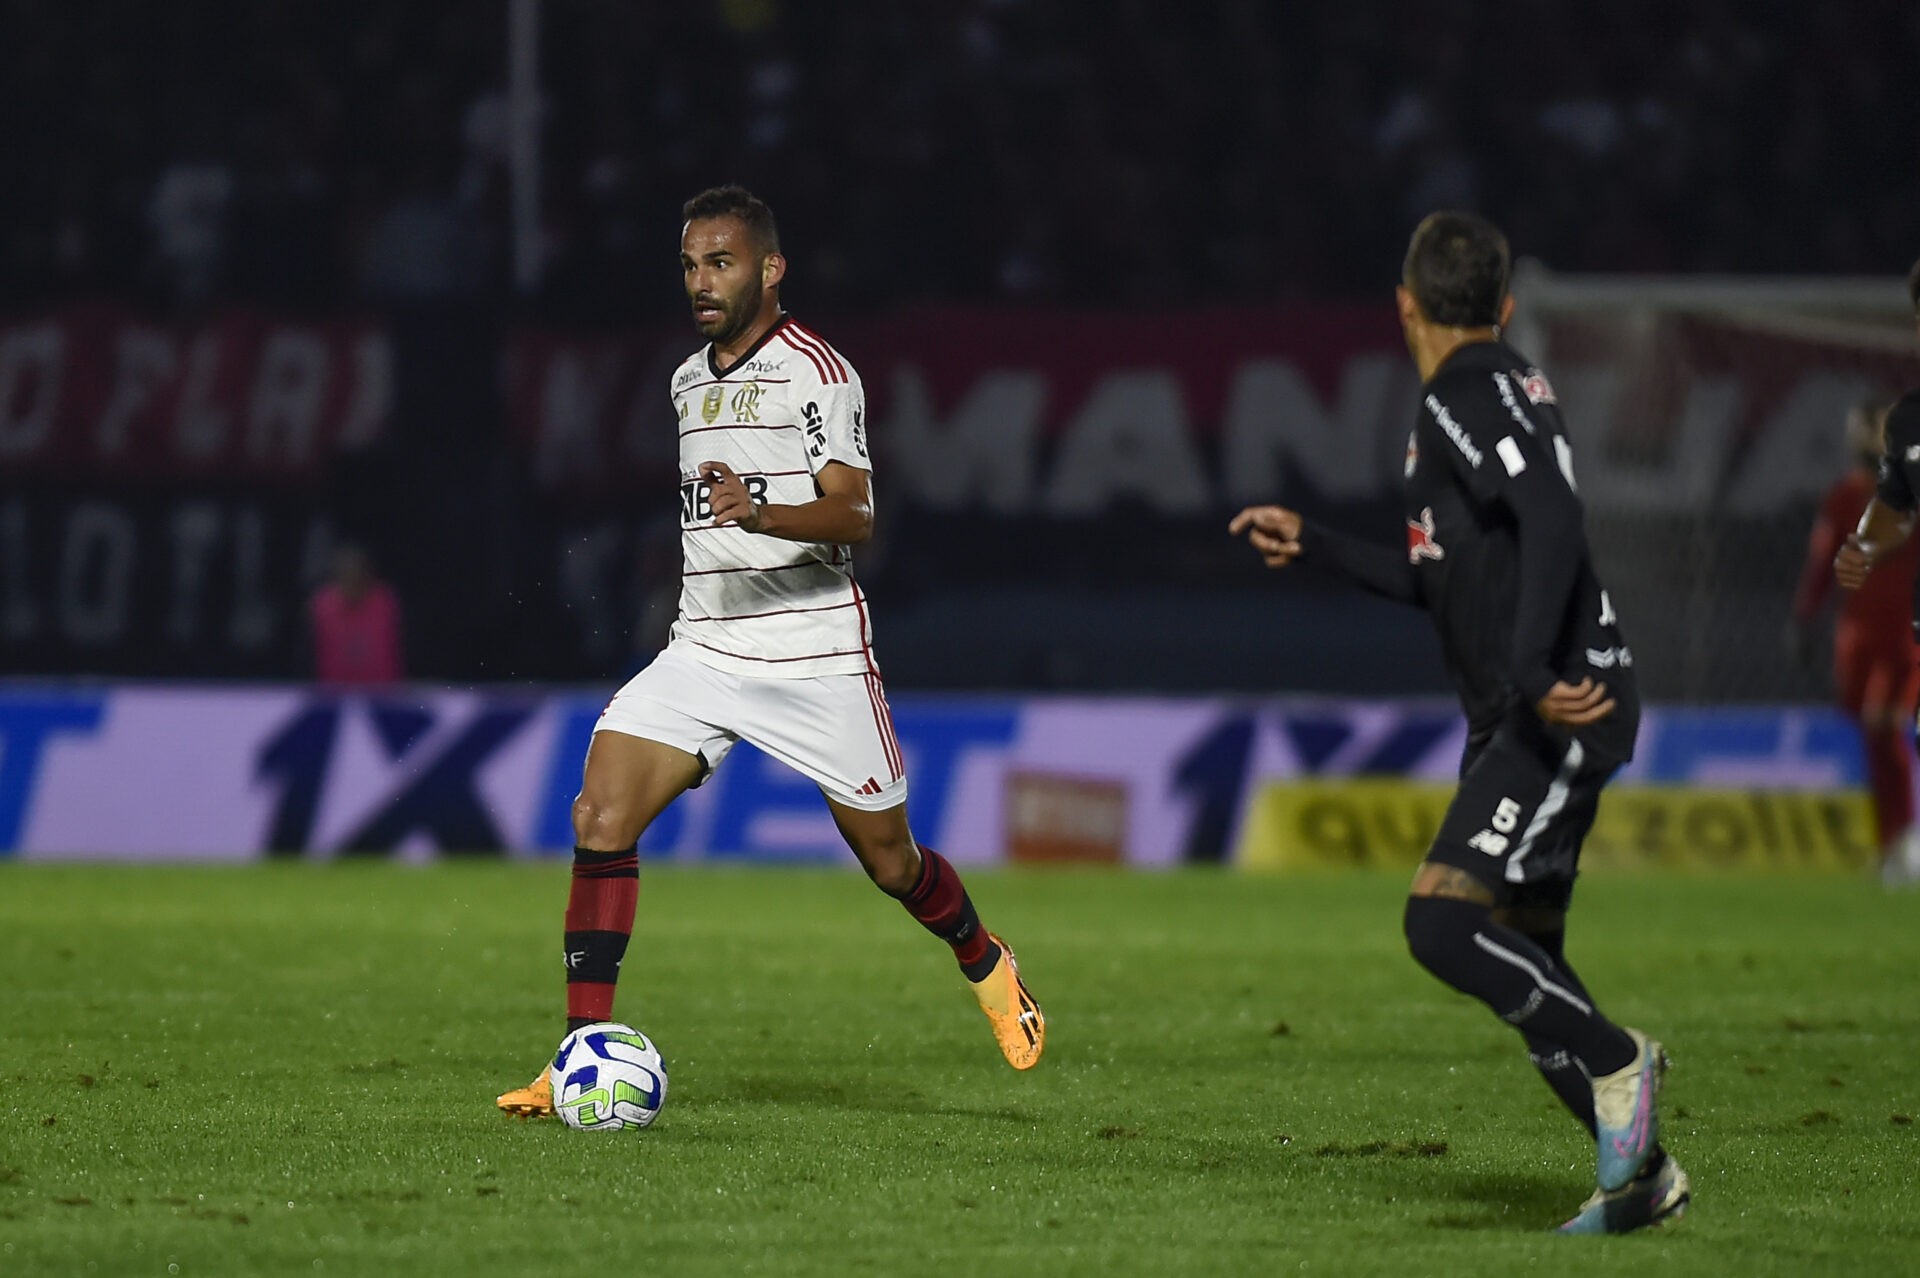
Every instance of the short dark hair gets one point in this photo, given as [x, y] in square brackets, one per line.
[736, 202]
[1457, 268]
[1913, 287]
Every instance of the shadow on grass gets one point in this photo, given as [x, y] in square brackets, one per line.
[1512, 1203]
[764, 1089]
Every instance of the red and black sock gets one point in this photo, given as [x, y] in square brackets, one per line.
[606, 887]
[941, 904]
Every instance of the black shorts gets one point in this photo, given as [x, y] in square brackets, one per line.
[1526, 800]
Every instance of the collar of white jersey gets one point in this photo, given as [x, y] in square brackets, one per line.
[721, 374]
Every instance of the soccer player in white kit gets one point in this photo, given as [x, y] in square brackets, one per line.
[773, 643]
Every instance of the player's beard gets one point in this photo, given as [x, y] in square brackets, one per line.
[736, 313]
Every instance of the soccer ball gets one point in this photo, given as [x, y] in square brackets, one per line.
[608, 1076]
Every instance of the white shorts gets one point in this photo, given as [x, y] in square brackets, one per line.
[834, 730]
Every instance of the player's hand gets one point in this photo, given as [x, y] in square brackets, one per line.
[1852, 563]
[1274, 532]
[1574, 705]
[727, 497]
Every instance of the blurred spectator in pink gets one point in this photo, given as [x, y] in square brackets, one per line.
[356, 624]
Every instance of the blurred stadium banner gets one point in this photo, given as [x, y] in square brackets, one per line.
[169, 491]
[1387, 822]
[209, 773]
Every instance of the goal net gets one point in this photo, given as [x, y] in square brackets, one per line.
[1708, 418]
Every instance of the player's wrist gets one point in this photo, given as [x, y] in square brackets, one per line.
[1535, 684]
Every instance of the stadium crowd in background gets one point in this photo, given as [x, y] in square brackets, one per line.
[998, 149]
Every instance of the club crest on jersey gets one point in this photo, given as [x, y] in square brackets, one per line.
[746, 402]
[1420, 542]
[1538, 390]
[710, 404]
[1413, 452]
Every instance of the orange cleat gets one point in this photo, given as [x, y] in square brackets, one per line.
[535, 1100]
[1017, 1021]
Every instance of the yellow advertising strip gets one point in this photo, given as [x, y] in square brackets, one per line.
[1387, 822]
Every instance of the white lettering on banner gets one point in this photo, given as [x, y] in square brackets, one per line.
[984, 452]
[372, 392]
[289, 390]
[143, 360]
[32, 360]
[96, 573]
[194, 527]
[200, 425]
[1273, 415]
[1130, 439]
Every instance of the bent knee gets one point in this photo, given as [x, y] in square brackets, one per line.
[892, 862]
[604, 826]
[1437, 927]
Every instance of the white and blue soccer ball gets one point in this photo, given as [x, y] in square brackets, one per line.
[608, 1076]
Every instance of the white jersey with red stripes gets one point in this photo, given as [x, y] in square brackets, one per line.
[749, 603]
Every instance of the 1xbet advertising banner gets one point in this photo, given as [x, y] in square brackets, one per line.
[191, 773]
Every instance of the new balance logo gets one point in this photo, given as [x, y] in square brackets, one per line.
[1489, 842]
[872, 787]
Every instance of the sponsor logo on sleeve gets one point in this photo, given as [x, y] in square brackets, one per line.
[1454, 432]
[1420, 542]
[1505, 385]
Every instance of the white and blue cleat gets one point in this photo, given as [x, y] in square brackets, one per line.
[1623, 1111]
[1657, 1196]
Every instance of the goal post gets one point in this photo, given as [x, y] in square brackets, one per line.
[1707, 417]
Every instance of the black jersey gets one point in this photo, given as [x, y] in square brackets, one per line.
[1900, 469]
[1496, 551]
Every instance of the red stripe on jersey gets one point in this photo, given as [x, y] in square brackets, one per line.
[818, 367]
[836, 371]
[820, 343]
[769, 381]
[866, 628]
[777, 612]
[715, 572]
[773, 661]
[701, 430]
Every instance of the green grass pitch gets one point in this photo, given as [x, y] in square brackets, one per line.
[290, 1070]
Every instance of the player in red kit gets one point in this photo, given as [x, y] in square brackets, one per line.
[1876, 663]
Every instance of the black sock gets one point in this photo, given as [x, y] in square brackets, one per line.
[1563, 1074]
[1459, 942]
[1555, 1063]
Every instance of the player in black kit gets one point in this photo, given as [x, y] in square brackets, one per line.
[1496, 553]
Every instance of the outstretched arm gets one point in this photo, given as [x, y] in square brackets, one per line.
[1281, 536]
[841, 514]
